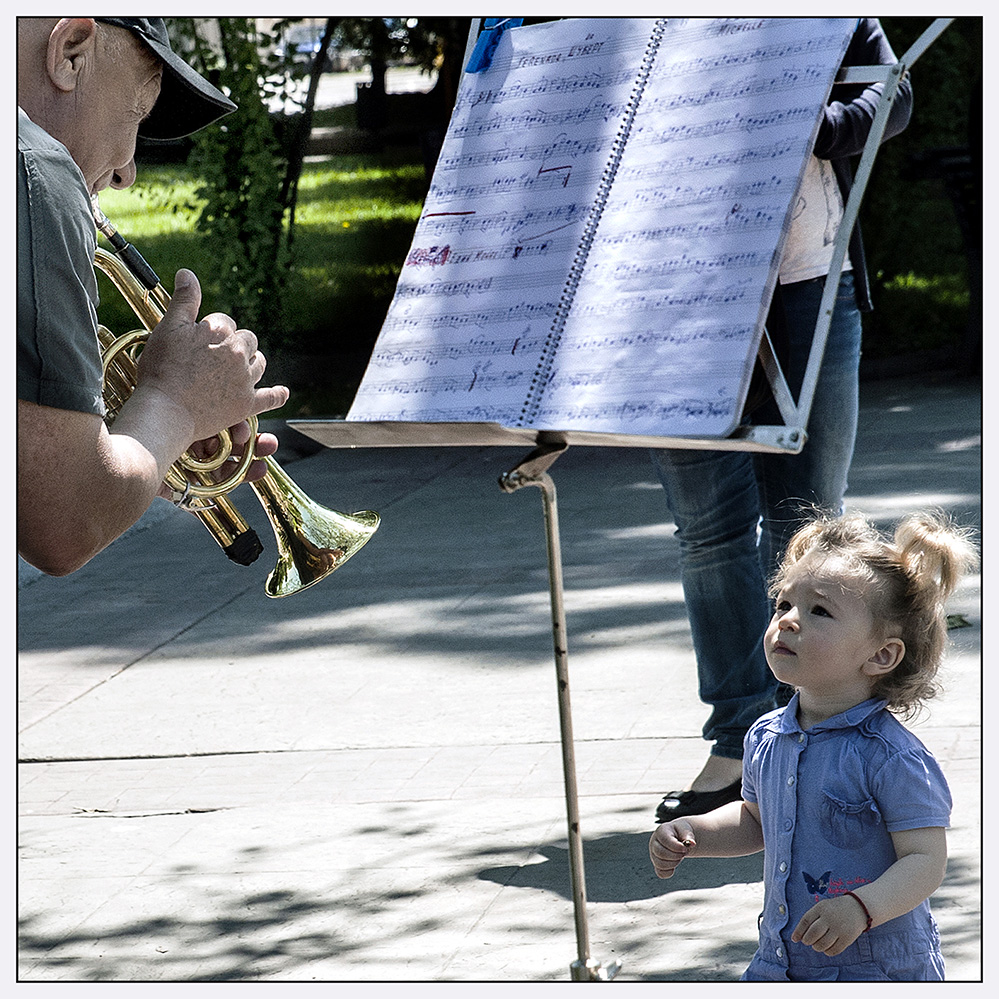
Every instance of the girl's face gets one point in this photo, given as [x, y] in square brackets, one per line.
[821, 638]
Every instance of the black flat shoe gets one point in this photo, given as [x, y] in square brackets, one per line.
[678, 803]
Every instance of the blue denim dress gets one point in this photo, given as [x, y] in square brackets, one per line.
[829, 798]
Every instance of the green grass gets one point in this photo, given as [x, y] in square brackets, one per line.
[948, 290]
[354, 223]
[917, 312]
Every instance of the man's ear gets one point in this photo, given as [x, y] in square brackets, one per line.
[888, 656]
[72, 42]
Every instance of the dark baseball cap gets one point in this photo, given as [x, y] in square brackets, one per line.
[187, 100]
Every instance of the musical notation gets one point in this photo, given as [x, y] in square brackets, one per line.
[547, 85]
[505, 222]
[597, 256]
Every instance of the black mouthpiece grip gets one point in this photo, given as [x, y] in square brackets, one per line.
[137, 265]
[245, 549]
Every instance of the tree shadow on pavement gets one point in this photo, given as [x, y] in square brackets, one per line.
[617, 869]
[241, 927]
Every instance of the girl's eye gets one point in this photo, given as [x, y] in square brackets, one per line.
[820, 611]
[782, 606]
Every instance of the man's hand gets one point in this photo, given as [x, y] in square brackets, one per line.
[264, 446]
[207, 370]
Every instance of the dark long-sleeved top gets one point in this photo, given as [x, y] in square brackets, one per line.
[847, 123]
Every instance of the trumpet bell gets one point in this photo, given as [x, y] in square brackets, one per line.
[312, 540]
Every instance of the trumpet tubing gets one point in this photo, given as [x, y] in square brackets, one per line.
[312, 541]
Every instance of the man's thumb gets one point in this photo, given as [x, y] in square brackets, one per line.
[186, 299]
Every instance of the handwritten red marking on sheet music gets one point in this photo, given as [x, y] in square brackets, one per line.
[432, 256]
[428, 256]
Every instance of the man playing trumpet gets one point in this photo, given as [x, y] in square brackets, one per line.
[86, 88]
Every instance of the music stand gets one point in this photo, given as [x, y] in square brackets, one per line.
[532, 470]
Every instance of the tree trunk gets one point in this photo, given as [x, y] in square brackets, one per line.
[303, 129]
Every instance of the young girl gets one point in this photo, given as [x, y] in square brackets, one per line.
[849, 806]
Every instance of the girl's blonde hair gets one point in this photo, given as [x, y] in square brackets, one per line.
[905, 581]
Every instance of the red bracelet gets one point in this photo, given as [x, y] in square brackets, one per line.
[862, 906]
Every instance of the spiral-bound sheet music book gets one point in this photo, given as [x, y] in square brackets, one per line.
[599, 245]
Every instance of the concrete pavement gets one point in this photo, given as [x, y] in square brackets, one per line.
[363, 782]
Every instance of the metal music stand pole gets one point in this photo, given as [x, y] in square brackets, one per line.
[532, 471]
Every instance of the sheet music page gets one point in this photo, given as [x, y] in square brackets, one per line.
[515, 182]
[662, 331]
[665, 325]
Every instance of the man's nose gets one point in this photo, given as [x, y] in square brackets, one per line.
[124, 176]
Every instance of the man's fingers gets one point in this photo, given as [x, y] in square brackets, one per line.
[266, 445]
[271, 397]
[186, 299]
[240, 434]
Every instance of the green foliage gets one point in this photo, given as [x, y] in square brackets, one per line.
[924, 313]
[916, 220]
[432, 43]
[240, 166]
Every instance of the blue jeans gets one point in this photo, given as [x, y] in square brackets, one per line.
[735, 511]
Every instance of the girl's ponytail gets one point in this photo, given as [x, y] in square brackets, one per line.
[935, 552]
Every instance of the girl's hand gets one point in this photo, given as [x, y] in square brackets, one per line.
[830, 926]
[670, 843]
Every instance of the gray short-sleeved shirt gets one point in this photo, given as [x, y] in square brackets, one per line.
[58, 354]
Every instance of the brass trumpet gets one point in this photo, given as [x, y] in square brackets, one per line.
[312, 541]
